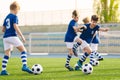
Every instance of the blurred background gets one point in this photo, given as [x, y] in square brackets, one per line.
[47, 12]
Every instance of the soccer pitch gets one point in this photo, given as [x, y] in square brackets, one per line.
[53, 69]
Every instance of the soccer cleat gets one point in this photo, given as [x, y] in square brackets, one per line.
[69, 68]
[77, 68]
[79, 64]
[4, 72]
[100, 59]
[75, 52]
[27, 69]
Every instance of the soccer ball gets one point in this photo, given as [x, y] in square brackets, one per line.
[95, 62]
[87, 68]
[37, 69]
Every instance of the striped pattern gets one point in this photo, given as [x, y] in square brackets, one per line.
[92, 55]
[91, 61]
[4, 62]
[24, 58]
[68, 59]
[75, 46]
[84, 56]
[95, 54]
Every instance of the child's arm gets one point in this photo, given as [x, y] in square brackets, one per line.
[19, 32]
[103, 29]
[78, 29]
[3, 29]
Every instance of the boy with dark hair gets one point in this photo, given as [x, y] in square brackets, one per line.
[88, 34]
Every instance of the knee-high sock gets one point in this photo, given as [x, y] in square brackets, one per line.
[75, 46]
[24, 58]
[92, 55]
[97, 54]
[4, 62]
[84, 56]
[68, 59]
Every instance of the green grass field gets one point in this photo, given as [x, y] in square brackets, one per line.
[53, 69]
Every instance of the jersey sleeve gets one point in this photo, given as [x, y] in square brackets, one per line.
[76, 24]
[72, 24]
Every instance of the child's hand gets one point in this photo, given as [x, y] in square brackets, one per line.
[83, 27]
[23, 39]
[106, 29]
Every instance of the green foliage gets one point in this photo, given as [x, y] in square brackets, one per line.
[53, 69]
[108, 10]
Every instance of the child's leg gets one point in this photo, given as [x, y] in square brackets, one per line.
[94, 54]
[23, 55]
[81, 60]
[68, 60]
[75, 46]
[69, 56]
[99, 57]
[87, 51]
[4, 62]
[24, 59]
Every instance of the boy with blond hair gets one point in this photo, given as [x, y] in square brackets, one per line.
[10, 39]
[86, 20]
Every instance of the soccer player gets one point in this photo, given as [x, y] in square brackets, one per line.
[89, 35]
[71, 37]
[93, 44]
[10, 39]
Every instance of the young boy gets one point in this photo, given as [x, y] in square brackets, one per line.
[10, 39]
[89, 33]
[70, 38]
[94, 45]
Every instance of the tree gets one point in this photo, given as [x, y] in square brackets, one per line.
[107, 10]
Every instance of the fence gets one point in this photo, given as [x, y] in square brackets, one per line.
[54, 42]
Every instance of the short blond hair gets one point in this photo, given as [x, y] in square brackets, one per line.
[86, 20]
[14, 6]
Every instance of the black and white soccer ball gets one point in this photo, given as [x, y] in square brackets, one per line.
[87, 68]
[95, 62]
[37, 69]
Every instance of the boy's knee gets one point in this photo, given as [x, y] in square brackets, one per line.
[7, 52]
